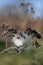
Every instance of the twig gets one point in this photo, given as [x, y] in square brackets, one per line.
[8, 49]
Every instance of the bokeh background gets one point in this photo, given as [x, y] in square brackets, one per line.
[21, 14]
[14, 14]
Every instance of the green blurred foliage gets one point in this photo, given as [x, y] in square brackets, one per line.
[33, 57]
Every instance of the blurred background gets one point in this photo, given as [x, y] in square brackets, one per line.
[22, 14]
